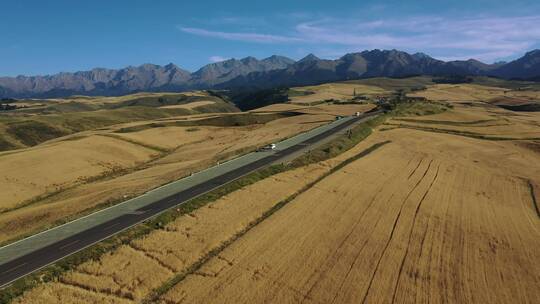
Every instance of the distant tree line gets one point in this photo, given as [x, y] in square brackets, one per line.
[248, 99]
[7, 107]
[8, 100]
[453, 79]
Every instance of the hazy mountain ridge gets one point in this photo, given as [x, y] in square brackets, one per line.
[251, 72]
[220, 72]
[387, 63]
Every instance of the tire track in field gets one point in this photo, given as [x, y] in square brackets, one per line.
[411, 232]
[533, 198]
[161, 290]
[336, 253]
[429, 252]
[412, 173]
[392, 232]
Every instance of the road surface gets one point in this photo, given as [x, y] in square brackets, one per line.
[15, 268]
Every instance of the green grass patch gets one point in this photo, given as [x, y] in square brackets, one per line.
[6, 145]
[340, 144]
[299, 93]
[419, 108]
[31, 133]
[161, 100]
[394, 84]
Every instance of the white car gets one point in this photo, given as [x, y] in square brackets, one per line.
[268, 147]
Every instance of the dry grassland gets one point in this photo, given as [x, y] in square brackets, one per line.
[480, 120]
[429, 217]
[335, 109]
[460, 92]
[328, 109]
[191, 105]
[101, 100]
[60, 179]
[50, 167]
[337, 91]
[473, 92]
[169, 137]
[280, 107]
[475, 113]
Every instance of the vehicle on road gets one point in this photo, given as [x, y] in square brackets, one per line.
[269, 147]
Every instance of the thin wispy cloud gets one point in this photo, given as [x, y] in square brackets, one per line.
[217, 58]
[486, 38]
[239, 36]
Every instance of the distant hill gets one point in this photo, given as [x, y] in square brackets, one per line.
[220, 72]
[147, 77]
[249, 72]
[98, 81]
[526, 67]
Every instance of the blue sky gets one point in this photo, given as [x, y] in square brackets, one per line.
[45, 37]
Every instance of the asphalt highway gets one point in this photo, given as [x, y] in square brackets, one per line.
[40, 258]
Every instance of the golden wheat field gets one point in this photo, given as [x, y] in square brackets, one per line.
[427, 217]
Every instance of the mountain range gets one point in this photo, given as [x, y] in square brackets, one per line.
[250, 72]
